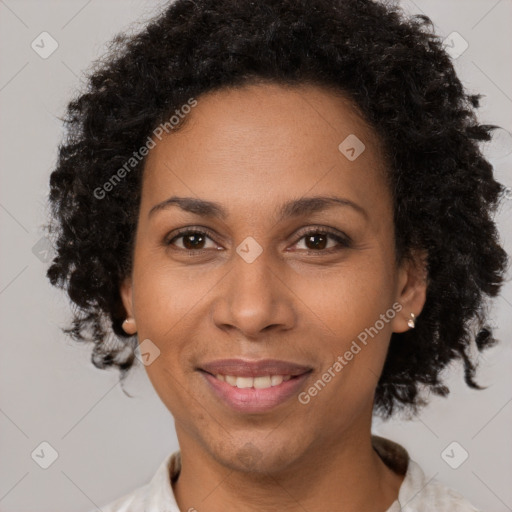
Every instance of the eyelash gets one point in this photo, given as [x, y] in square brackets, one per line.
[343, 241]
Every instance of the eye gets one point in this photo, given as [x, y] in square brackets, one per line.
[192, 240]
[317, 240]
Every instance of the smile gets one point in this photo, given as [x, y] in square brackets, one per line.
[258, 394]
[260, 382]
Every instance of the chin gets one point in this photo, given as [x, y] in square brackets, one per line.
[255, 457]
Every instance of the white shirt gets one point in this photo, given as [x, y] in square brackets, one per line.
[417, 493]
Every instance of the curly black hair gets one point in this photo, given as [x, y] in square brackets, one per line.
[395, 70]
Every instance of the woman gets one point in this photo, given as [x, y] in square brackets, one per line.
[283, 204]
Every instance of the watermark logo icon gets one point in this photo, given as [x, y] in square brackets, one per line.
[44, 455]
[43, 250]
[454, 455]
[44, 45]
[249, 249]
[249, 455]
[147, 352]
[351, 147]
[455, 45]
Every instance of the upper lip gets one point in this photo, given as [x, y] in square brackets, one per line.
[254, 368]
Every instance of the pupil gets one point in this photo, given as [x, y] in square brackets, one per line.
[316, 246]
[197, 241]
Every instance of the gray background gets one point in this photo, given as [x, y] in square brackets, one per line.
[107, 443]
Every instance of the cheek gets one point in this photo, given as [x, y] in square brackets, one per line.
[165, 294]
[350, 297]
[165, 308]
[166, 304]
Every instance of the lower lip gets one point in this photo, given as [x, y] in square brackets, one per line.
[255, 400]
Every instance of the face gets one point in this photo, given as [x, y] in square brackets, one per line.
[253, 274]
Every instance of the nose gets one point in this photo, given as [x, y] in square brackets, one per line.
[254, 298]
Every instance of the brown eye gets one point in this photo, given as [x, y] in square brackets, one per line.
[191, 240]
[318, 240]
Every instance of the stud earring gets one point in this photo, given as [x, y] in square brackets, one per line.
[411, 323]
[128, 323]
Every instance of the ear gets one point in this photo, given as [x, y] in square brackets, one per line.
[126, 292]
[411, 289]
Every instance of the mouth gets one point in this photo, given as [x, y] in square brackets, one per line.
[254, 392]
[256, 369]
[259, 382]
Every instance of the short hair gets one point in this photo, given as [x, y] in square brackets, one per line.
[393, 67]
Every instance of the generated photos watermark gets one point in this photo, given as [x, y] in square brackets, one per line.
[143, 151]
[354, 349]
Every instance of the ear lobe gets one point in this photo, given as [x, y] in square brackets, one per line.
[129, 325]
[411, 290]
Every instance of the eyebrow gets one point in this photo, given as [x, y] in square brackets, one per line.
[293, 208]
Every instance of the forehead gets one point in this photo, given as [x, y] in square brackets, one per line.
[262, 142]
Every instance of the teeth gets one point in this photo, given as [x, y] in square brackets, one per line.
[244, 382]
[263, 382]
[275, 380]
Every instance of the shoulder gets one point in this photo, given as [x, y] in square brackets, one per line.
[423, 495]
[418, 493]
[157, 495]
[131, 502]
